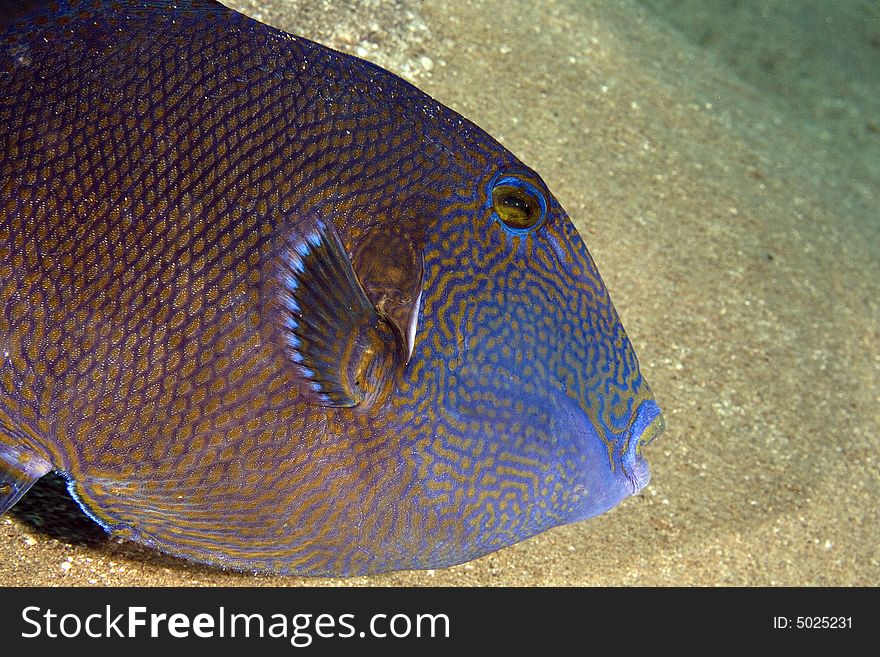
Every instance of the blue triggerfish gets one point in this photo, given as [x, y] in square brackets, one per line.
[270, 307]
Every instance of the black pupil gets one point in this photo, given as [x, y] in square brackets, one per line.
[518, 204]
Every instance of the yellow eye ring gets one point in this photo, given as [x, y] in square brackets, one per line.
[519, 205]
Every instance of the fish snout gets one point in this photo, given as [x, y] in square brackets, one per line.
[649, 424]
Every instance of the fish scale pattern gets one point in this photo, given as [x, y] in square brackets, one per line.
[155, 159]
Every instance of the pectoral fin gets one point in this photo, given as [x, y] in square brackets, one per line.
[19, 470]
[340, 349]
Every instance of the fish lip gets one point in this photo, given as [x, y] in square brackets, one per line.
[640, 475]
[606, 478]
[648, 424]
[650, 433]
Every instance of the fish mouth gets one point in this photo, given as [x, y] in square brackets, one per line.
[639, 475]
[650, 433]
[606, 479]
[649, 424]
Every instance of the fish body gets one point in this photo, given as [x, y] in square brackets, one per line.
[268, 306]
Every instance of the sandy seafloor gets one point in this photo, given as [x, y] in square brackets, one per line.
[724, 169]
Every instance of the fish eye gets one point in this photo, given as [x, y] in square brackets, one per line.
[519, 204]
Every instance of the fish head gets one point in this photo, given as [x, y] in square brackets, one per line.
[461, 320]
[534, 372]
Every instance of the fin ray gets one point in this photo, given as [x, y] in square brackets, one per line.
[342, 351]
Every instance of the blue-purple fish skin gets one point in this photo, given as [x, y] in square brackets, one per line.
[268, 306]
